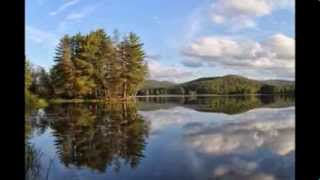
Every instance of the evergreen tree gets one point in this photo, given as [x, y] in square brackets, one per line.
[63, 73]
[83, 84]
[137, 68]
[123, 59]
[98, 66]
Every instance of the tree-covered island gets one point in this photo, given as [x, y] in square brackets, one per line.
[97, 66]
[93, 66]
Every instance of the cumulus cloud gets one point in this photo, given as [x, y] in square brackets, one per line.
[64, 7]
[274, 54]
[158, 71]
[241, 14]
[281, 45]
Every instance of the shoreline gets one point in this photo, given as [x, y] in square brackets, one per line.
[133, 98]
[208, 95]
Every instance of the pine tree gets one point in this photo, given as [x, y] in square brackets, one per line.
[137, 68]
[92, 54]
[63, 73]
[84, 84]
[123, 59]
[98, 66]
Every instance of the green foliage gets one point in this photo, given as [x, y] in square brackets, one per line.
[41, 83]
[32, 101]
[230, 84]
[98, 66]
[27, 75]
[63, 72]
[225, 85]
[151, 84]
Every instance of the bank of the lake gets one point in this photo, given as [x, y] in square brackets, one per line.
[112, 100]
[133, 98]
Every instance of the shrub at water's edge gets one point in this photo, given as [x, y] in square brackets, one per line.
[32, 101]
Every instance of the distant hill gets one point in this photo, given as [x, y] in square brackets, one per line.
[229, 84]
[279, 82]
[150, 84]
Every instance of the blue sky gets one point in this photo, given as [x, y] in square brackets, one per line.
[183, 39]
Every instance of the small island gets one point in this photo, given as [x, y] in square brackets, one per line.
[99, 67]
[94, 66]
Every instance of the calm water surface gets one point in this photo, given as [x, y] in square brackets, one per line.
[234, 138]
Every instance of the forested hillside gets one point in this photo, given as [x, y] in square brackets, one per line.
[151, 84]
[229, 84]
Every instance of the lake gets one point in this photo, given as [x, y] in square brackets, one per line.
[190, 138]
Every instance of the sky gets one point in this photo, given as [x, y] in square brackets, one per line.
[183, 40]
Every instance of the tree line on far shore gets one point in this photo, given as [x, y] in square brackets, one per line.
[229, 84]
[93, 66]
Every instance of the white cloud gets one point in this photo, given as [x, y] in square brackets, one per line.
[158, 71]
[64, 7]
[281, 45]
[218, 19]
[274, 54]
[75, 17]
[81, 14]
[40, 36]
[241, 14]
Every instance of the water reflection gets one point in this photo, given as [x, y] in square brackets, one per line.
[223, 104]
[99, 136]
[33, 155]
[252, 147]
[32, 162]
[166, 138]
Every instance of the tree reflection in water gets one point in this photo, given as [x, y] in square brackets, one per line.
[220, 104]
[99, 136]
[32, 154]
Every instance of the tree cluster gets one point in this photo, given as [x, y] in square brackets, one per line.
[93, 66]
[98, 66]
